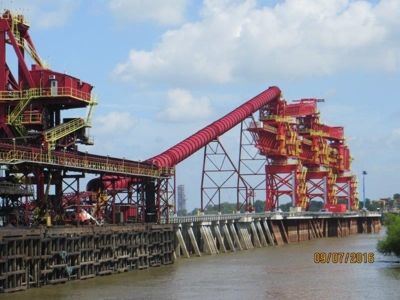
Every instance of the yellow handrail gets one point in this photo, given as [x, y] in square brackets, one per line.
[81, 162]
[64, 129]
[46, 92]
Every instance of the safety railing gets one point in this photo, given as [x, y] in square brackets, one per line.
[278, 118]
[85, 162]
[31, 117]
[46, 92]
[269, 215]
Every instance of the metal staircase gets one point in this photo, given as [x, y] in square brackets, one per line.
[52, 135]
[25, 99]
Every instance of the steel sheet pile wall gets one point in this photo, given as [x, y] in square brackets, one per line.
[36, 257]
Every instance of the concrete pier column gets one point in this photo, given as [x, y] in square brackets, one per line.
[208, 239]
[277, 232]
[177, 252]
[318, 228]
[244, 235]
[311, 232]
[219, 238]
[181, 242]
[284, 233]
[235, 236]
[268, 233]
[193, 240]
[325, 227]
[256, 240]
[228, 237]
[261, 233]
[212, 240]
[339, 228]
[241, 237]
[206, 243]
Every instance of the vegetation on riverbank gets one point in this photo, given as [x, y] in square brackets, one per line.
[391, 243]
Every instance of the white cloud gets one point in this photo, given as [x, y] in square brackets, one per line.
[164, 12]
[394, 138]
[116, 123]
[182, 107]
[242, 41]
[43, 13]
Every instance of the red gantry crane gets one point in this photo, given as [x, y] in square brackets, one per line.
[308, 159]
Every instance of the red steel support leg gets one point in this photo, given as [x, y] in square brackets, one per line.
[317, 186]
[3, 75]
[219, 175]
[285, 179]
[346, 190]
[113, 202]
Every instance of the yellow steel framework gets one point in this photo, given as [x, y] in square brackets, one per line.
[16, 21]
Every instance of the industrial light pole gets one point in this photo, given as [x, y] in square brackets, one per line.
[364, 173]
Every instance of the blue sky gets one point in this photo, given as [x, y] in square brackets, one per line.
[164, 69]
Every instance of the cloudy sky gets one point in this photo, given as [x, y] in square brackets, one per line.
[164, 69]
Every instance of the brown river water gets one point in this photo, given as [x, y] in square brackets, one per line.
[287, 272]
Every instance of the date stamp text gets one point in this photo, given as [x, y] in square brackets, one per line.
[344, 257]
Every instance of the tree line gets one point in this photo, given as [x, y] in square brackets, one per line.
[386, 204]
[391, 243]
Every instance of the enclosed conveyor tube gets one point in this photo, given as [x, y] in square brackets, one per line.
[192, 144]
[174, 155]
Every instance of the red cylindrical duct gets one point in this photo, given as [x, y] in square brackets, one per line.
[187, 147]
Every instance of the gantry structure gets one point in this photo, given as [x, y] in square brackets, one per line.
[42, 168]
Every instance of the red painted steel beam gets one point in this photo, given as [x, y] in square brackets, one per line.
[189, 146]
[3, 68]
[23, 68]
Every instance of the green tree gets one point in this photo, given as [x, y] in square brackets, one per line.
[286, 206]
[391, 243]
[259, 206]
[374, 206]
[182, 212]
[194, 212]
[396, 200]
[316, 205]
[226, 208]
